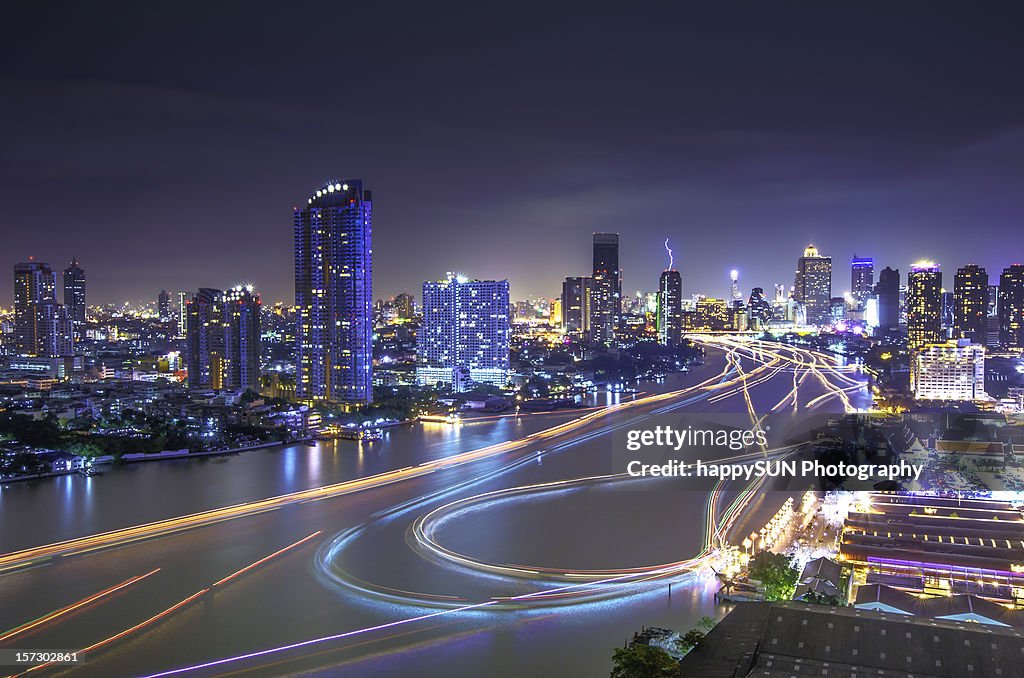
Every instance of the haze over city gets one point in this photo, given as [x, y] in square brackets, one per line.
[496, 147]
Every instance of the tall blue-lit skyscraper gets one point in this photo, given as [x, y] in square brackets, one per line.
[334, 295]
[465, 333]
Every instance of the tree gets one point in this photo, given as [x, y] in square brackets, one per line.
[776, 573]
[643, 661]
[692, 638]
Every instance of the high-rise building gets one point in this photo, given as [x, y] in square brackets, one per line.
[924, 305]
[163, 306]
[405, 306]
[954, 370]
[242, 308]
[183, 298]
[888, 292]
[862, 279]
[759, 309]
[576, 306]
[1011, 306]
[42, 327]
[813, 285]
[465, 333]
[670, 308]
[333, 295]
[223, 339]
[970, 303]
[734, 286]
[606, 288]
[74, 292]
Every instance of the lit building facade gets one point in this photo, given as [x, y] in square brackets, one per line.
[954, 370]
[670, 308]
[924, 305]
[223, 339]
[465, 334]
[163, 305]
[812, 286]
[334, 295]
[74, 292]
[606, 288]
[970, 303]
[862, 279]
[42, 327]
[576, 306]
[1011, 306]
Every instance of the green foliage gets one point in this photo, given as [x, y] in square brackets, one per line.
[643, 661]
[776, 572]
[692, 638]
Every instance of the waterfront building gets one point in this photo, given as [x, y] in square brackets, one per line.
[465, 334]
[333, 295]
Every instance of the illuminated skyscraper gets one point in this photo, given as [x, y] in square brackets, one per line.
[223, 339]
[183, 298]
[74, 292]
[606, 288]
[670, 308]
[888, 292]
[924, 305]
[465, 333]
[1011, 306]
[576, 306]
[42, 327]
[333, 294]
[970, 303]
[813, 285]
[862, 279]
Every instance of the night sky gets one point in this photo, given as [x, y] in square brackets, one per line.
[164, 145]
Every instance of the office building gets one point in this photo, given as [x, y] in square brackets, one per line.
[1011, 306]
[465, 335]
[813, 285]
[924, 305]
[862, 279]
[223, 339]
[334, 296]
[74, 292]
[954, 370]
[576, 306]
[970, 303]
[606, 288]
[670, 310]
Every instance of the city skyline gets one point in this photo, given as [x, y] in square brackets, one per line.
[166, 148]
